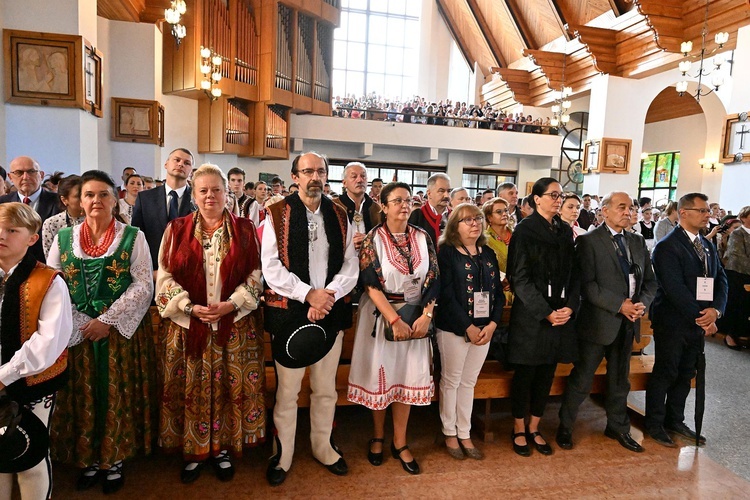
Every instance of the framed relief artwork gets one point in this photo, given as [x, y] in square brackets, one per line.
[529, 187]
[735, 141]
[591, 157]
[614, 156]
[93, 80]
[136, 120]
[43, 69]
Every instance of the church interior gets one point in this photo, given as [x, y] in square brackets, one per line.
[254, 83]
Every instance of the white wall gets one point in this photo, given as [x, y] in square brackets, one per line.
[434, 51]
[686, 135]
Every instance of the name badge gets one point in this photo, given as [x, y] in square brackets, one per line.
[631, 288]
[481, 305]
[704, 290]
[412, 291]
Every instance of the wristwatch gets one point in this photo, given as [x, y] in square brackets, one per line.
[236, 307]
[188, 310]
[718, 313]
[428, 314]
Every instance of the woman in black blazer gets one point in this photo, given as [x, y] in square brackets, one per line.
[471, 305]
[540, 271]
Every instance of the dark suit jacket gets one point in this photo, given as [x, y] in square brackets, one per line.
[150, 216]
[586, 218]
[47, 207]
[604, 286]
[677, 267]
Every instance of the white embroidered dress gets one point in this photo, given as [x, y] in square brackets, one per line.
[383, 371]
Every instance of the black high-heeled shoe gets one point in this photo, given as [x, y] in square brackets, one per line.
[520, 449]
[114, 479]
[375, 459]
[410, 467]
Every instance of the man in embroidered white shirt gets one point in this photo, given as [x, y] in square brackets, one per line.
[307, 283]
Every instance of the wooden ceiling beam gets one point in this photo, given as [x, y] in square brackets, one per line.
[121, 10]
[558, 15]
[601, 44]
[486, 33]
[523, 30]
[456, 34]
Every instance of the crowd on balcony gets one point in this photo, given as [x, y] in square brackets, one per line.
[444, 112]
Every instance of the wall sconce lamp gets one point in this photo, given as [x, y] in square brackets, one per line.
[211, 71]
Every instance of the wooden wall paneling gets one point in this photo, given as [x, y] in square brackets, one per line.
[458, 36]
[514, 8]
[153, 11]
[121, 10]
[668, 105]
[504, 30]
[580, 12]
[180, 65]
[211, 125]
[488, 36]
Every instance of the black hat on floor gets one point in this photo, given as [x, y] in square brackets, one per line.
[24, 439]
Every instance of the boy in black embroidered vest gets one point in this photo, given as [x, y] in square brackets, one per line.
[35, 327]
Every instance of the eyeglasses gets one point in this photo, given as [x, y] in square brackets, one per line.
[470, 221]
[309, 172]
[702, 211]
[400, 201]
[501, 211]
[554, 195]
[21, 173]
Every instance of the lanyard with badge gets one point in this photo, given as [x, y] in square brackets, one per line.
[412, 288]
[631, 275]
[481, 298]
[704, 287]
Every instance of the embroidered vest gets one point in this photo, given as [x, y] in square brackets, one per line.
[30, 295]
[289, 220]
[94, 284]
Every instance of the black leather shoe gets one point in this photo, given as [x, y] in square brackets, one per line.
[375, 459]
[544, 449]
[339, 467]
[223, 473]
[625, 440]
[275, 474]
[684, 431]
[88, 477]
[564, 438]
[188, 476]
[520, 449]
[410, 467]
[114, 480]
[661, 437]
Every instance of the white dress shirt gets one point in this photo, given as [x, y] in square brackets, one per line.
[287, 284]
[47, 343]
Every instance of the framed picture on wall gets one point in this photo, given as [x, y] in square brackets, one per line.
[43, 69]
[93, 80]
[591, 157]
[735, 140]
[136, 120]
[614, 156]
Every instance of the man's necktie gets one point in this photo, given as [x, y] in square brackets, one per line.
[701, 252]
[622, 255]
[173, 206]
[27, 200]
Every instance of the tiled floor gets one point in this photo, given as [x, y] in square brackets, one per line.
[597, 468]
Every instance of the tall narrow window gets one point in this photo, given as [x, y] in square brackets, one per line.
[376, 48]
[658, 179]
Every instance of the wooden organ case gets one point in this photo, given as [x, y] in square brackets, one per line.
[276, 59]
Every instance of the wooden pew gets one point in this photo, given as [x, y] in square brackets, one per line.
[493, 382]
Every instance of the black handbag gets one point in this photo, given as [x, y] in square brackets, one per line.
[409, 314]
[499, 347]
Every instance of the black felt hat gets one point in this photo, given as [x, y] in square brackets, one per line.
[301, 345]
[24, 439]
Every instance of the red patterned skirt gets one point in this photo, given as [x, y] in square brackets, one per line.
[215, 402]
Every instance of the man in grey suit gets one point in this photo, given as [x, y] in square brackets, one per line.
[154, 208]
[27, 176]
[617, 287]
